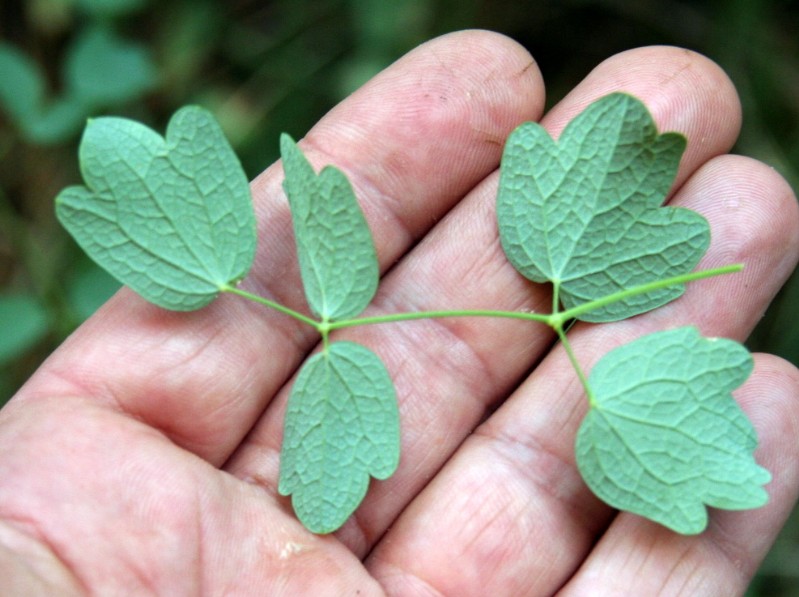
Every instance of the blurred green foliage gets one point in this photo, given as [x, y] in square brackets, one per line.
[267, 66]
[100, 70]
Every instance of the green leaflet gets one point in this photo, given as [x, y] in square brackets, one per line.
[584, 212]
[100, 69]
[342, 425]
[664, 436]
[24, 322]
[337, 257]
[172, 218]
[22, 86]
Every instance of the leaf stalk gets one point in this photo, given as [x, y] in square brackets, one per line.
[555, 320]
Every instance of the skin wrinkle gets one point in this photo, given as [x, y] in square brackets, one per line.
[199, 558]
[356, 531]
[686, 570]
[562, 468]
[680, 70]
[12, 513]
[742, 576]
[675, 570]
[449, 360]
[67, 382]
[159, 383]
[25, 524]
[403, 575]
[485, 527]
[691, 577]
[453, 328]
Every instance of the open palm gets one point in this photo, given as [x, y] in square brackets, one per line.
[142, 458]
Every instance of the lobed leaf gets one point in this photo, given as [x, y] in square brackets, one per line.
[338, 262]
[341, 426]
[584, 212]
[171, 218]
[664, 437]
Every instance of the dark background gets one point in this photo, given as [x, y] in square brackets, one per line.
[266, 66]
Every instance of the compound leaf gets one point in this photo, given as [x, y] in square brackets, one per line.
[171, 218]
[584, 212]
[341, 426]
[337, 256]
[664, 437]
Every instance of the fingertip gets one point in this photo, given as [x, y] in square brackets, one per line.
[754, 212]
[685, 91]
[477, 77]
[771, 399]
[498, 52]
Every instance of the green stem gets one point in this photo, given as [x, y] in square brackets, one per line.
[555, 297]
[575, 363]
[324, 329]
[273, 305]
[575, 312]
[555, 319]
[394, 317]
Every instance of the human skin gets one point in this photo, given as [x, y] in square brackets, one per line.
[142, 458]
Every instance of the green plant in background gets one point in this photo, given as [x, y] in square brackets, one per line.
[25, 322]
[172, 218]
[100, 70]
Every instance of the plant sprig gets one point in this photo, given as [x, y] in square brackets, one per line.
[172, 218]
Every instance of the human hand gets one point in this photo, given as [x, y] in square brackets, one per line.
[143, 456]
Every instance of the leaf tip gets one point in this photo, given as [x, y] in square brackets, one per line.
[287, 143]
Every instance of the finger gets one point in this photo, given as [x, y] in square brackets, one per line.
[692, 96]
[511, 498]
[449, 373]
[413, 141]
[96, 499]
[638, 557]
